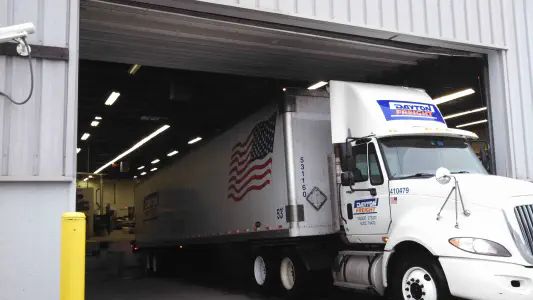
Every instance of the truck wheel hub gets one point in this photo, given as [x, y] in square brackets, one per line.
[418, 285]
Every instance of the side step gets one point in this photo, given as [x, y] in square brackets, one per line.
[361, 253]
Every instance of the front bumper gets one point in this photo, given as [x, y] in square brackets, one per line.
[487, 280]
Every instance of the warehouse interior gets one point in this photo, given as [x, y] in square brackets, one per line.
[143, 69]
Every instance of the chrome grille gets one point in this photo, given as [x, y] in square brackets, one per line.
[524, 214]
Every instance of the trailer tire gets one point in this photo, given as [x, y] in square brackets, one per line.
[265, 268]
[420, 277]
[294, 276]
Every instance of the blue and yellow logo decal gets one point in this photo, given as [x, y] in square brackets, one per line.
[406, 110]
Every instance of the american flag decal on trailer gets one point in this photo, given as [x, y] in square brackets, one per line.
[251, 161]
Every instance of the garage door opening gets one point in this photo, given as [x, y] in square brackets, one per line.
[182, 80]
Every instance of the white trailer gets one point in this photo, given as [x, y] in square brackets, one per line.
[367, 182]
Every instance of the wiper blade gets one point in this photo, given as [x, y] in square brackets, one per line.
[460, 172]
[417, 175]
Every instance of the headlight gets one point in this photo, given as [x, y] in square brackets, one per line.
[480, 246]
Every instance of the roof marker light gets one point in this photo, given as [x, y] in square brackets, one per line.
[112, 98]
[465, 113]
[317, 85]
[472, 123]
[453, 96]
[139, 144]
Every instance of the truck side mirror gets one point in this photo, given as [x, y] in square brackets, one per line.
[347, 178]
[485, 160]
[346, 157]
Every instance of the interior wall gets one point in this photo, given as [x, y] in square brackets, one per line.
[117, 193]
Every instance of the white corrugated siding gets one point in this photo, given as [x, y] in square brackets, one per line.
[486, 23]
[33, 137]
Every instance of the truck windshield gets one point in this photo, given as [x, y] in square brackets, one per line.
[419, 157]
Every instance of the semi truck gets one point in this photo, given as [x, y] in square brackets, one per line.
[365, 182]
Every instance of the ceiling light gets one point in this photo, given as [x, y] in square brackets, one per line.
[112, 98]
[453, 96]
[139, 144]
[465, 113]
[472, 123]
[172, 153]
[317, 85]
[98, 118]
[90, 176]
[140, 168]
[86, 178]
[134, 177]
[85, 136]
[155, 161]
[78, 150]
[94, 123]
[134, 69]
[195, 140]
[154, 169]
[143, 173]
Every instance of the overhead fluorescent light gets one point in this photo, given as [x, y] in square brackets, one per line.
[195, 140]
[133, 69]
[453, 96]
[143, 173]
[134, 176]
[317, 85]
[94, 123]
[140, 168]
[465, 113]
[90, 176]
[112, 98]
[86, 178]
[155, 161]
[78, 150]
[139, 144]
[154, 169]
[172, 153]
[472, 123]
[98, 118]
[85, 136]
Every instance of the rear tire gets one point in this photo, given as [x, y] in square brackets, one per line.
[294, 276]
[265, 267]
[420, 277]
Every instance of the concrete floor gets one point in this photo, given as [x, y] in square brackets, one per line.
[115, 275]
[105, 287]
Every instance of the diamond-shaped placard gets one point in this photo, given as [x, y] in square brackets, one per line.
[317, 198]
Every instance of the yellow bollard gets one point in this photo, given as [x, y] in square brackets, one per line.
[72, 280]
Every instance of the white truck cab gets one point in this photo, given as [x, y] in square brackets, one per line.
[415, 185]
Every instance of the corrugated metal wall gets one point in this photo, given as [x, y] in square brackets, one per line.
[489, 24]
[37, 143]
[33, 137]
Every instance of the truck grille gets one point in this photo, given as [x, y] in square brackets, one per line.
[524, 214]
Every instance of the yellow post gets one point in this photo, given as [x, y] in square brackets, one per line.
[72, 279]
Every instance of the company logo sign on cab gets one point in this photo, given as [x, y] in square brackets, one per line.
[365, 207]
[405, 110]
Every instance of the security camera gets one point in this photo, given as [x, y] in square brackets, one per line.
[14, 32]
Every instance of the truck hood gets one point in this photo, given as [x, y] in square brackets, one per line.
[486, 190]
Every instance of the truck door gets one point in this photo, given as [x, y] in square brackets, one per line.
[369, 212]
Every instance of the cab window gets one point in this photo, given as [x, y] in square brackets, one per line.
[367, 164]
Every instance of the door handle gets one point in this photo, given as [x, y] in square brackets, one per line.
[372, 191]
[349, 209]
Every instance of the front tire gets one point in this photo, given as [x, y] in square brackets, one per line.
[420, 277]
